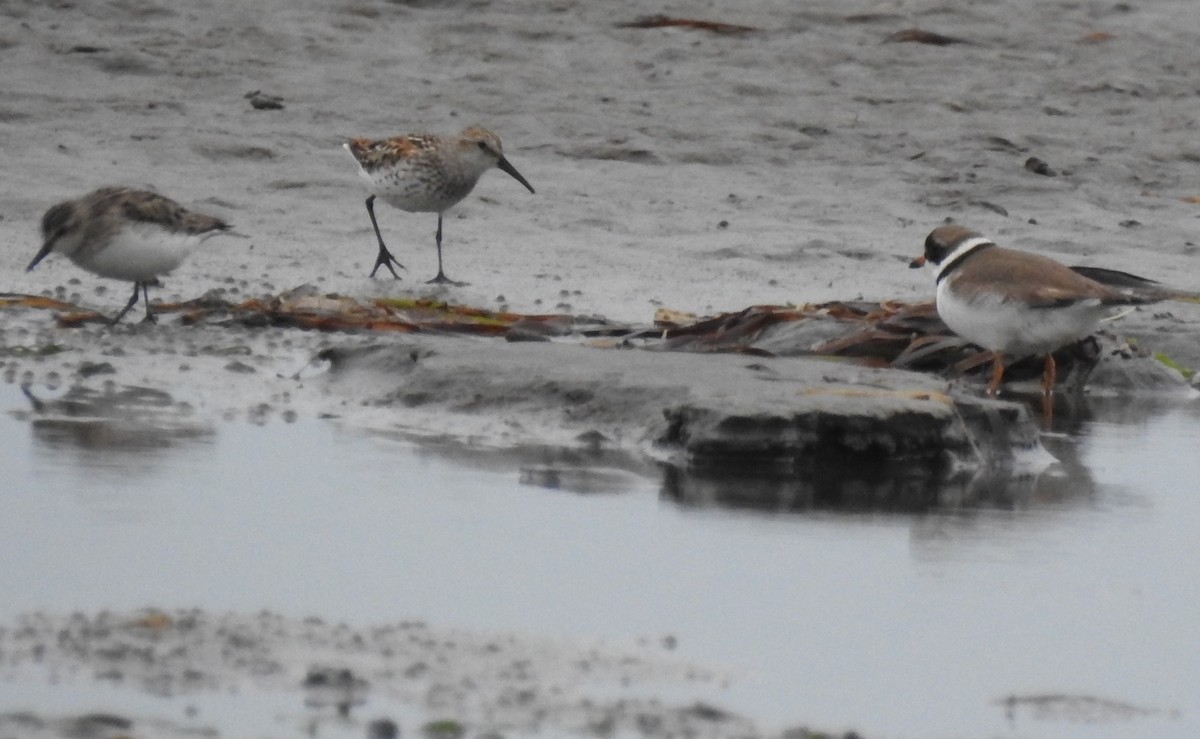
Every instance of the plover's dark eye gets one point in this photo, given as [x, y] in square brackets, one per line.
[483, 145]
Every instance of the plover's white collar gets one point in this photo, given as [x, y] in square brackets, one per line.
[961, 252]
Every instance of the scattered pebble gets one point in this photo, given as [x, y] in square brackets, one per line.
[260, 100]
[921, 36]
[1037, 166]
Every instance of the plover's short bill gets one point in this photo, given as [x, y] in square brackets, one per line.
[125, 234]
[423, 173]
[1013, 302]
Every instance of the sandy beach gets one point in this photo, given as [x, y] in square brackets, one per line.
[694, 170]
[802, 160]
[675, 167]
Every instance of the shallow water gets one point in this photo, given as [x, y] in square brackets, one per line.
[1082, 583]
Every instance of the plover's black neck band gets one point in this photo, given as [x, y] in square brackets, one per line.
[961, 253]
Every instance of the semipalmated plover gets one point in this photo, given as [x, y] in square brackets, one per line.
[125, 234]
[423, 173]
[1016, 303]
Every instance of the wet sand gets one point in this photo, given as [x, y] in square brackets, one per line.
[699, 171]
[520, 684]
[674, 167]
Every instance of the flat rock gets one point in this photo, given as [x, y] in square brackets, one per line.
[800, 419]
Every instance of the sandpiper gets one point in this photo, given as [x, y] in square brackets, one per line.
[1014, 302]
[125, 234]
[424, 173]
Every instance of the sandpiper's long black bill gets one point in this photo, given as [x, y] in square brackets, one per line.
[46, 249]
[505, 166]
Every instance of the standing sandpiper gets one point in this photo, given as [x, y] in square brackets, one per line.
[125, 234]
[423, 173]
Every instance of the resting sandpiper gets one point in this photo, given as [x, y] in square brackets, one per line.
[125, 234]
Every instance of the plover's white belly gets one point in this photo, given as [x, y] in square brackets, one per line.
[139, 252]
[1015, 328]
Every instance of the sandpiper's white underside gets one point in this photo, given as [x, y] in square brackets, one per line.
[138, 252]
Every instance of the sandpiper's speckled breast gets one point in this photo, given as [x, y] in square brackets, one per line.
[419, 187]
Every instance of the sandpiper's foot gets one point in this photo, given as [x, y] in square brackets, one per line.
[442, 279]
[385, 259]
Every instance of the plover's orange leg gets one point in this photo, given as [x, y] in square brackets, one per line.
[441, 278]
[1049, 376]
[993, 387]
[385, 258]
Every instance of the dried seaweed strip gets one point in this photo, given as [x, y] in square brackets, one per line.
[668, 318]
[851, 310]
[426, 311]
[473, 329]
[924, 347]
[20, 300]
[979, 359]
[394, 326]
[756, 316]
[919, 319]
[80, 318]
[325, 321]
[750, 326]
[883, 345]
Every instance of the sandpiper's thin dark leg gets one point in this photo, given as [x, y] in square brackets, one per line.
[146, 299]
[385, 257]
[441, 276]
[132, 302]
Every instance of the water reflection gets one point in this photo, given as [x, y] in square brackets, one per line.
[123, 430]
[1000, 489]
[1056, 474]
[844, 490]
[131, 431]
[1075, 411]
[576, 479]
[884, 487]
[584, 470]
[982, 577]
